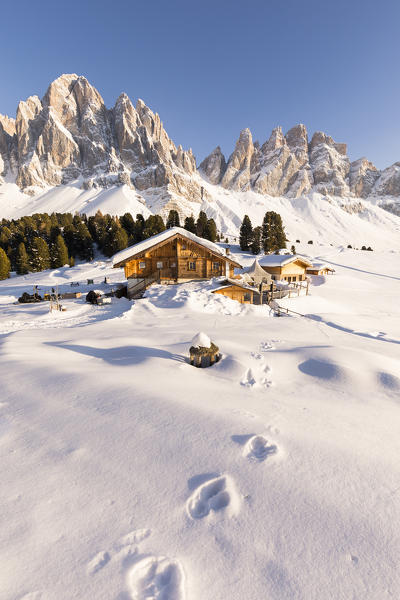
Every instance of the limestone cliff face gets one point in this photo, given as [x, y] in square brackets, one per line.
[238, 171]
[279, 167]
[7, 132]
[70, 135]
[329, 164]
[362, 177]
[388, 184]
[214, 166]
[289, 165]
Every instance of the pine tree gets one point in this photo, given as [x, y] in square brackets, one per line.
[256, 243]
[5, 265]
[279, 231]
[120, 240]
[139, 228]
[273, 234]
[173, 219]
[83, 243]
[210, 232]
[40, 255]
[22, 260]
[267, 239]
[190, 224]
[246, 233]
[5, 237]
[69, 235]
[59, 253]
[128, 223]
[115, 240]
[153, 225]
[201, 224]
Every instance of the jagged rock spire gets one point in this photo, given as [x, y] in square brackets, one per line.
[214, 166]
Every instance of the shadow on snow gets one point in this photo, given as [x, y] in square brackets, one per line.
[120, 356]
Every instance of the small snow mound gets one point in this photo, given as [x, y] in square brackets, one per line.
[201, 340]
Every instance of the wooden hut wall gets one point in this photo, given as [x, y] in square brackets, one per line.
[294, 269]
[236, 293]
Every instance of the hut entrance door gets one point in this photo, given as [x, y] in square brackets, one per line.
[174, 269]
[169, 271]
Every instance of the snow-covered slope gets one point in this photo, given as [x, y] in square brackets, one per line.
[128, 474]
[312, 217]
[71, 198]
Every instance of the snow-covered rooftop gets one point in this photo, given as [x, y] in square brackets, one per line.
[162, 237]
[279, 260]
[319, 265]
[240, 283]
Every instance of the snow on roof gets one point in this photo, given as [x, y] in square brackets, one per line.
[279, 260]
[162, 237]
[318, 266]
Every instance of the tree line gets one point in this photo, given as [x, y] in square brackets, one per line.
[270, 236]
[44, 241]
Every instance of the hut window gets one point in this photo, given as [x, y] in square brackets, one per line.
[159, 264]
[294, 278]
[142, 265]
[247, 297]
[215, 266]
[183, 246]
[192, 266]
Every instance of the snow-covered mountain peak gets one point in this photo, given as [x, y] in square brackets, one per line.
[71, 137]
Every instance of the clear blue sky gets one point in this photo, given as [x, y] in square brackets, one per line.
[212, 67]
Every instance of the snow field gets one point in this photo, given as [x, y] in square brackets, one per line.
[129, 474]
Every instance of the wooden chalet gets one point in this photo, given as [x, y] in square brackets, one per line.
[285, 267]
[172, 256]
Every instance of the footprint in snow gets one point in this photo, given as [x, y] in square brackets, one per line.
[156, 578]
[248, 379]
[217, 495]
[244, 413]
[257, 377]
[258, 448]
[127, 544]
[265, 379]
[98, 562]
[266, 346]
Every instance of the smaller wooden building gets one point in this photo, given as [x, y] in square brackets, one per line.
[285, 267]
[239, 291]
[320, 269]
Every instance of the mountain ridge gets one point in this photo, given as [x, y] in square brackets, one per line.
[70, 137]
